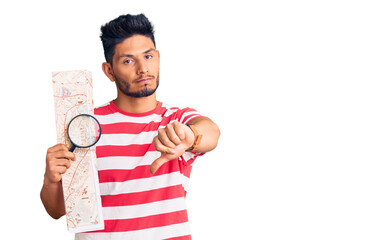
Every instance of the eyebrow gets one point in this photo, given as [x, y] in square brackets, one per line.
[131, 55]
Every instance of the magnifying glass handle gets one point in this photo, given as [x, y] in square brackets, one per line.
[72, 148]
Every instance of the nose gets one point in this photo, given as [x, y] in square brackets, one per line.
[142, 67]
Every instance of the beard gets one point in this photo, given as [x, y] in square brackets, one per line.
[125, 88]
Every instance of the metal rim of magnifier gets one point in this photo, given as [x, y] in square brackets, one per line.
[70, 139]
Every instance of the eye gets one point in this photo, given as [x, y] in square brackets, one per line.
[148, 56]
[127, 61]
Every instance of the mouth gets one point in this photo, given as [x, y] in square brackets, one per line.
[144, 79]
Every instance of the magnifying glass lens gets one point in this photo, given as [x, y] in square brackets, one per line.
[84, 131]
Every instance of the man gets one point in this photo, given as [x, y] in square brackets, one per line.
[147, 148]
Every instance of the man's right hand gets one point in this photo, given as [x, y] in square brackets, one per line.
[57, 162]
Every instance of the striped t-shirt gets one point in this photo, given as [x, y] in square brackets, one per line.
[136, 204]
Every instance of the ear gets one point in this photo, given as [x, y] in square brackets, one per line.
[108, 70]
[158, 54]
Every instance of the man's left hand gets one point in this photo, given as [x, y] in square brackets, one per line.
[172, 141]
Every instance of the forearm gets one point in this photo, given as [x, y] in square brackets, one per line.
[53, 200]
[210, 133]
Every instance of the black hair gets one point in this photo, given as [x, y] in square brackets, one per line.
[121, 28]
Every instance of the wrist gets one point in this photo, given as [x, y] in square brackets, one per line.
[197, 139]
[47, 183]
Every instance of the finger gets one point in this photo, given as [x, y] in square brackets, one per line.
[63, 154]
[53, 177]
[161, 148]
[61, 169]
[57, 147]
[164, 139]
[70, 155]
[63, 162]
[180, 130]
[55, 172]
[172, 135]
[157, 164]
[54, 164]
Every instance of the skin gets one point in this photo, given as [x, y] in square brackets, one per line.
[134, 69]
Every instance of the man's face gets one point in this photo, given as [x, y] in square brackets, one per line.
[136, 66]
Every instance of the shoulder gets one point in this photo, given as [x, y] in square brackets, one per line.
[182, 114]
[103, 109]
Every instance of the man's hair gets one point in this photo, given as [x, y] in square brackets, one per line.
[121, 28]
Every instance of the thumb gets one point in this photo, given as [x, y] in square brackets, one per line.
[158, 162]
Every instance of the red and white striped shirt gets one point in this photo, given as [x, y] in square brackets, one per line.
[136, 204]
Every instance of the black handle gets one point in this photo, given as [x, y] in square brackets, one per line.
[72, 148]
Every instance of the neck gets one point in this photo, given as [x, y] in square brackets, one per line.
[136, 105]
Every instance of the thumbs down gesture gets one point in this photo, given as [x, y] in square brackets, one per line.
[172, 141]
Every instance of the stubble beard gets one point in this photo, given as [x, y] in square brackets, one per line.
[125, 88]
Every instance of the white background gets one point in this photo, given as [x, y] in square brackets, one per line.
[300, 90]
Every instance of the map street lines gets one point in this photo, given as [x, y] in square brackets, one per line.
[73, 96]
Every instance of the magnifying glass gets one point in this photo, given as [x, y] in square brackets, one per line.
[83, 131]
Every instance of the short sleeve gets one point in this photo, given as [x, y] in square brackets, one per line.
[185, 115]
